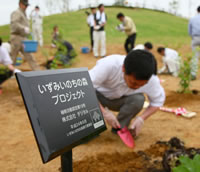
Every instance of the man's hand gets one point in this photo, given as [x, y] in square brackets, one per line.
[97, 27]
[26, 30]
[136, 126]
[111, 118]
[17, 70]
[120, 27]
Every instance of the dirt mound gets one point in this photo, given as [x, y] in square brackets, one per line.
[149, 160]
[159, 157]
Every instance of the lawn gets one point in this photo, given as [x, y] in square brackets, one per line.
[155, 26]
[19, 151]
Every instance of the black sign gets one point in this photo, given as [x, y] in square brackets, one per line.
[62, 108]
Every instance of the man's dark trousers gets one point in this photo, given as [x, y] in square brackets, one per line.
[91, 37]
[130, 43]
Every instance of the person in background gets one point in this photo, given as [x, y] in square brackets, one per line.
[99, 33]
[19, 31]
[6, 67]
[194, 32]
[128, 26]
[146, 46]
[120, 82]
[7, 46]
[64, 54]
[171, 61]
[56, 36]
[37, 21]
[90, 21]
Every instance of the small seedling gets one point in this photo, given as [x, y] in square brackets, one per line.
[185, 75]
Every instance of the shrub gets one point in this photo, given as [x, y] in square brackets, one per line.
[185, 75]
[188, 165]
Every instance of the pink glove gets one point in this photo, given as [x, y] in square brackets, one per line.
[111, 118]
[137, 124]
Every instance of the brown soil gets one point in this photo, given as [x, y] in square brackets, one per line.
[19, 152]
[149, 160]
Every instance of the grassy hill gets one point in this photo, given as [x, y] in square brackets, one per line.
[154, 26]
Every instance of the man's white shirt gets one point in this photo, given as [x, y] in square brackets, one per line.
[101, 16]
[36, 18]
[139, 47]
[108, 78]
[90, 20]
[4, 56]
[170, 53]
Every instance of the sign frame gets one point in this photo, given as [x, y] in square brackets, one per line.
[33, 114]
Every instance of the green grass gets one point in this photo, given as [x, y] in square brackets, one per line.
[157, 27]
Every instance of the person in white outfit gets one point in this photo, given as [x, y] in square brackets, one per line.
[146, 46]
[121, 82]
[37, 21]
[6, 67]
[7, 46]
[90, 22]
[171, 61]
[99, 33]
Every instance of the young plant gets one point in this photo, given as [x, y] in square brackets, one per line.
[185, 75]
[188, 165]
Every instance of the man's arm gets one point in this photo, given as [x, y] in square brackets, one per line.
[164, 68]
[16, 27]
[190, 28]
[137, 124]
[156, 96]
[148, 112]
[109, 117]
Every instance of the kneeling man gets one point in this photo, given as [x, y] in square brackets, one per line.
[121, 82]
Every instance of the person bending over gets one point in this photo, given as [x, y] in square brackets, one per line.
[121, 82]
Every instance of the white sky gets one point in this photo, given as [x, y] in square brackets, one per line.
[187, 8]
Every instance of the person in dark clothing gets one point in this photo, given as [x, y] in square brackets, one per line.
[128, 26]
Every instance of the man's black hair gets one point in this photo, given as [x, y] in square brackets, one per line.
[148, 45]
[198, 9]
[140, 64]
[100, 5]
[0, 41]
[119, 15]
[37, 7]
[160, 49]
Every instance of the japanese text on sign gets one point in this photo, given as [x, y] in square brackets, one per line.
[53, 87]
[56, 86]
[67, 97]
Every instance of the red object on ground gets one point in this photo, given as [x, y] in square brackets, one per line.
[179, 111]
[126, 137]
[0, 91]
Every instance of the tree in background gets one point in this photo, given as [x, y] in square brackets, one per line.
[63, 5]
[174, 6]
[119, 2]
